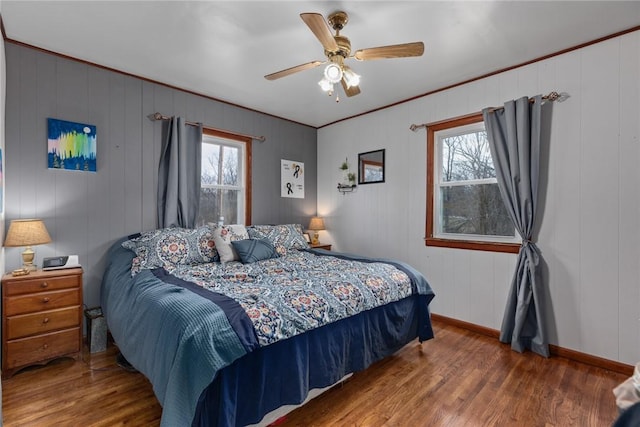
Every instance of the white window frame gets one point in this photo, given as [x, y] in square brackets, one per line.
[242, 188]
[440, 184]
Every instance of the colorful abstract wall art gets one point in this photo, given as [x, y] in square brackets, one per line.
[1, 184]
[72, 146]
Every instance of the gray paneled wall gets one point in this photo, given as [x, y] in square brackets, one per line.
[86, 212]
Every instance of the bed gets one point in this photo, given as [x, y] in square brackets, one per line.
[230, 323]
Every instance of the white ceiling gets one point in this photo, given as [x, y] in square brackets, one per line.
[223, 49]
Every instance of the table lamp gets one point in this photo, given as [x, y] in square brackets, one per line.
[27, 232]
[316, 224]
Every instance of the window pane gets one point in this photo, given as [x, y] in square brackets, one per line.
[230, 164]
[215, 203]
[372, 173]
[466, 157]
[475, 209]
[210, 163]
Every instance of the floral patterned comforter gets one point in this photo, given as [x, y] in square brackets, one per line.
[289, 295]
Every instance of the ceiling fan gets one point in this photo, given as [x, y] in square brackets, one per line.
[337, 48]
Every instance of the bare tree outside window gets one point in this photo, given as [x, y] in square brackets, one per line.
[471, 208]
[467, 157]
[221, 185]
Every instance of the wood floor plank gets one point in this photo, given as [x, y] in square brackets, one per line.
[458, 379]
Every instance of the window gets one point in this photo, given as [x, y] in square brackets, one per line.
[225, 184]
[464, 206]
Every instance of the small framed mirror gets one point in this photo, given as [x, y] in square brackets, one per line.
[371, 167]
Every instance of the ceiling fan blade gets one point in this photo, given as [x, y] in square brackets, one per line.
[394, 51]
[289, 71]
[349, 91]
[320, 28]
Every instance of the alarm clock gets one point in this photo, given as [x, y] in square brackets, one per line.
[59, 262]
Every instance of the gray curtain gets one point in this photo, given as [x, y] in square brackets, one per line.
[514, 140]
[179, 174]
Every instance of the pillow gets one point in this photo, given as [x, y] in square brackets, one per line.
[283, 237]
[223, 235]
[252, 250]
[172, 246]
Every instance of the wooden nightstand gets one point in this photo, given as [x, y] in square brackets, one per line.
[320, 246]
[41, 318]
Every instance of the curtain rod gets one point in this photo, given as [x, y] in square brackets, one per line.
[158, 116]
[552, 96]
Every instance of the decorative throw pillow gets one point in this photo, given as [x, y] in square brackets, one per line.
[172, 246]
[283, 237]
[253, 250]
[223, 235]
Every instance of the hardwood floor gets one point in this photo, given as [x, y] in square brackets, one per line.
[458, 379]
[94, 392]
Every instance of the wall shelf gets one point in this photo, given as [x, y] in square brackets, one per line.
[345, 188]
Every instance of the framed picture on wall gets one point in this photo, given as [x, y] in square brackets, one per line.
[71, 146]
[1, 185]
[292, 179]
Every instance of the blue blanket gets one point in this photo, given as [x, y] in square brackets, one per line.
[181, 338]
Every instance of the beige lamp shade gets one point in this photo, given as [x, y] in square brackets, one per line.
[27, 232]
[315, 225]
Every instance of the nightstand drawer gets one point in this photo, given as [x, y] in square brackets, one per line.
[40, 284]
[38, 323]
[29, 350]
[42, 301]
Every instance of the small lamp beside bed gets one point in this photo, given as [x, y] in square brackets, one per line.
[26, 232]
[316, 224]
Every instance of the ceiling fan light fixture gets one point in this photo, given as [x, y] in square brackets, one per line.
[351, 79]
[337, 49]
[333, 73]
[326, 85]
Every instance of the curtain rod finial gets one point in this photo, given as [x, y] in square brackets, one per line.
[555, 96]
[155, 116]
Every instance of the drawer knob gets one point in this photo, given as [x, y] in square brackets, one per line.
[44, 285]
[46, 346]
[45, 320]
[45, 299]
